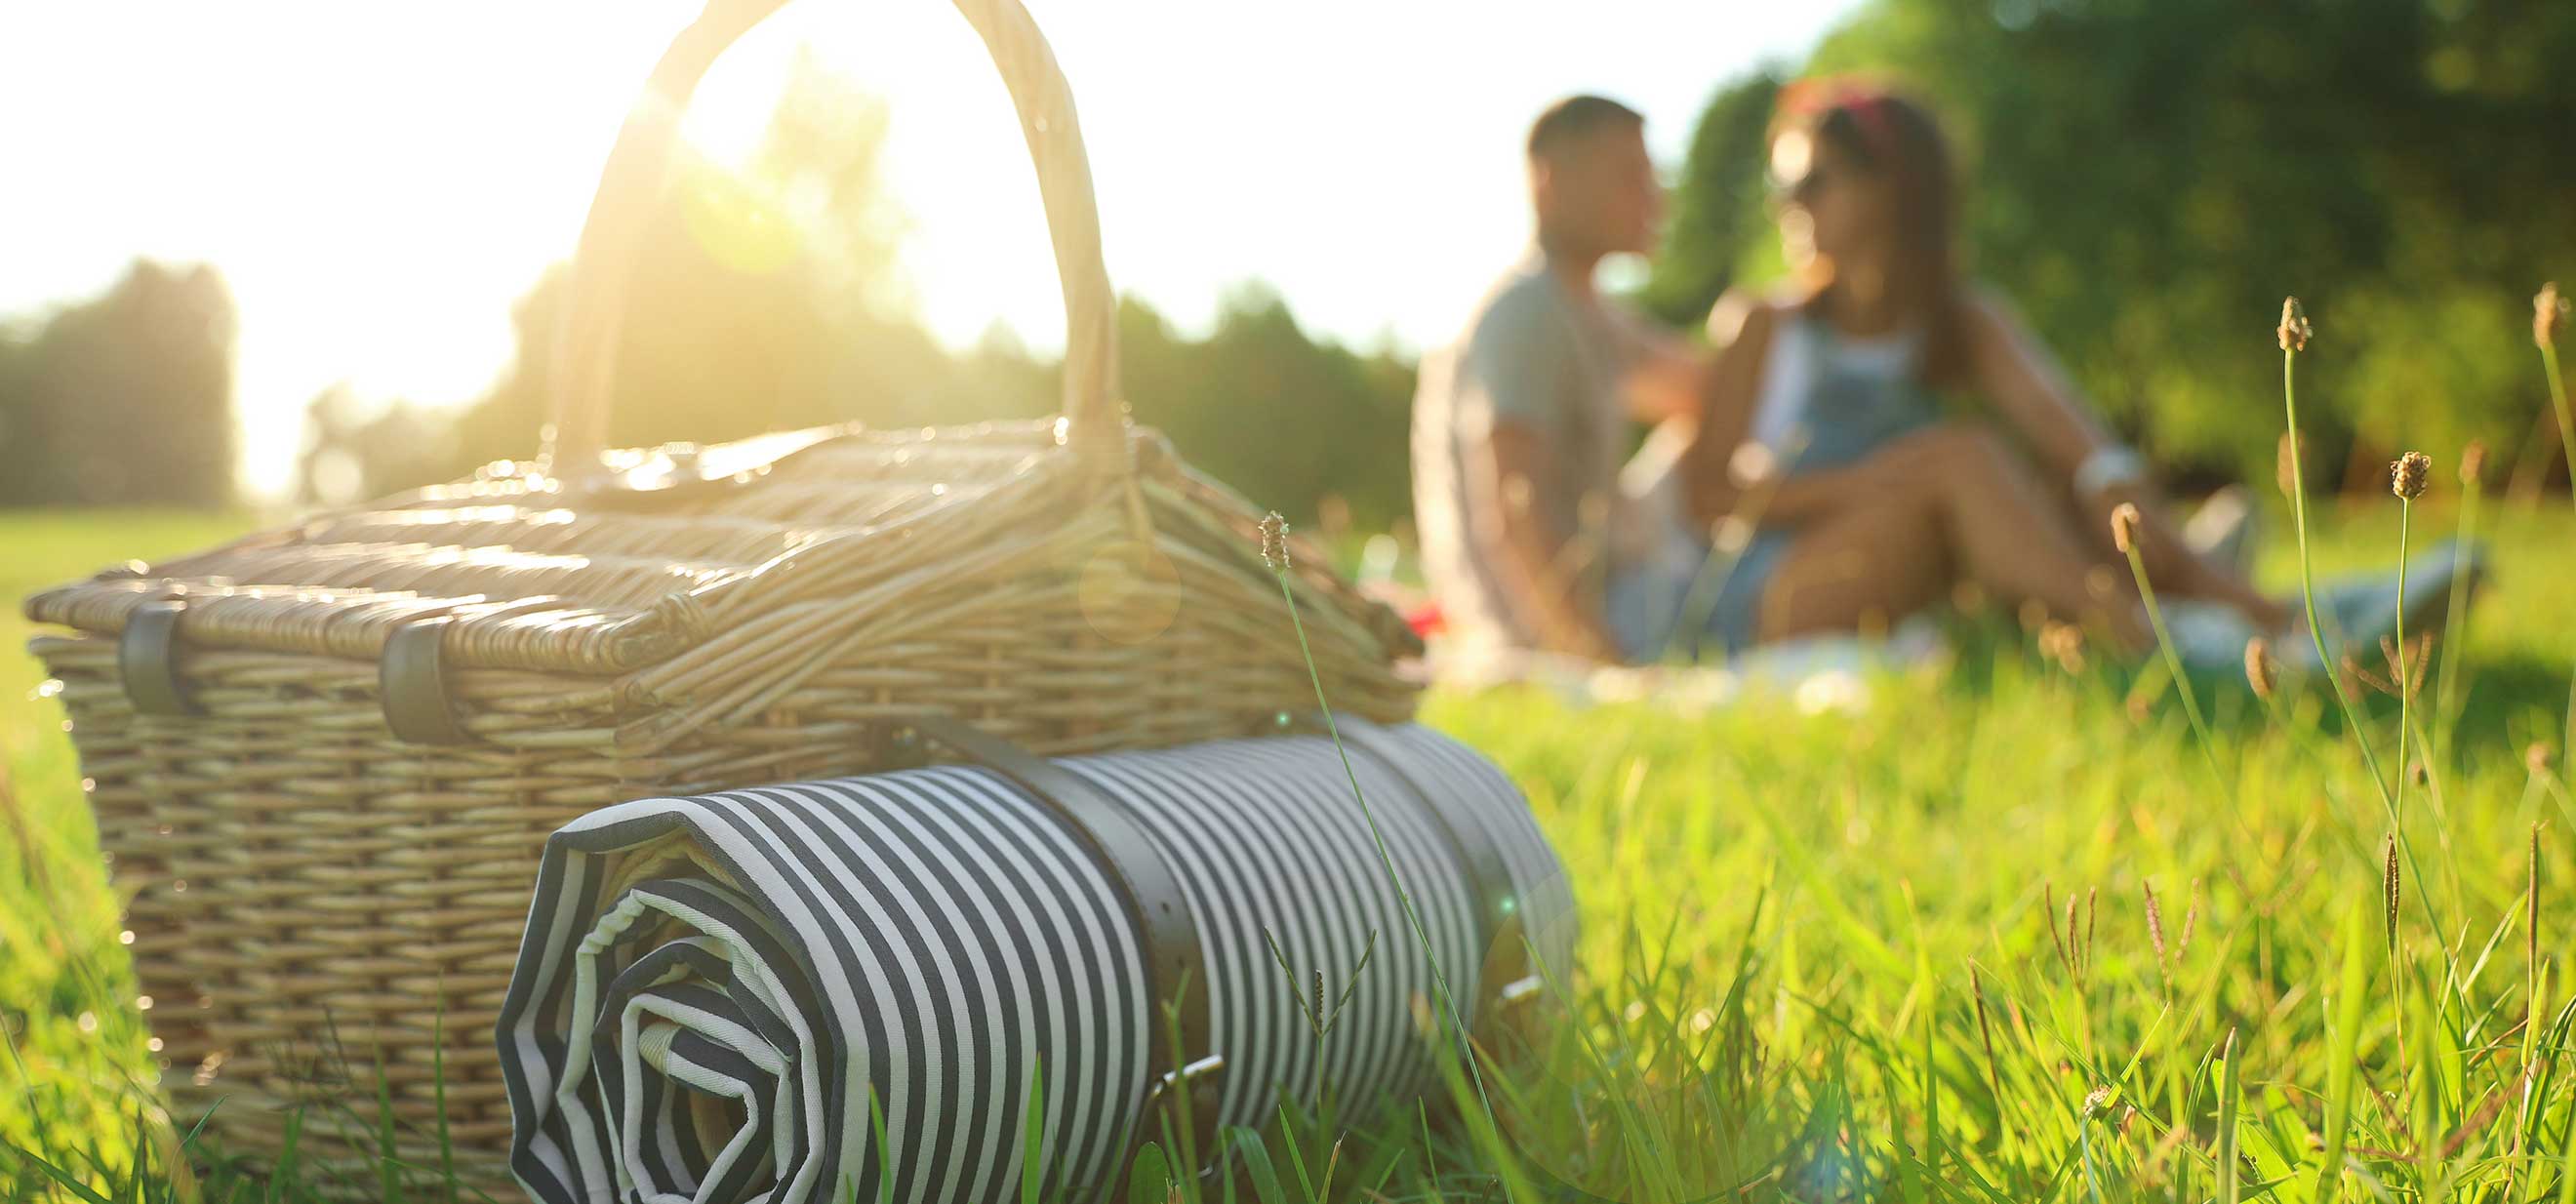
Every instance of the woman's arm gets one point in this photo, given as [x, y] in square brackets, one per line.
[2015, 372]
[2023, 381]
[1730, 474]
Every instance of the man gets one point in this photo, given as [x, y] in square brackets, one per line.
[1520, 426]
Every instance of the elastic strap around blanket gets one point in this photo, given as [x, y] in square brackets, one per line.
[1501, 977]
[1175, 956]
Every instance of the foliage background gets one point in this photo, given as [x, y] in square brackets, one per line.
[2147, 178]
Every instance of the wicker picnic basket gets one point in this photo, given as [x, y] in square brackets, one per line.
[324, 759]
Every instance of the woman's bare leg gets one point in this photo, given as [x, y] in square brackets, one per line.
[1970, 508]
[2173, 566]
[1859, 570]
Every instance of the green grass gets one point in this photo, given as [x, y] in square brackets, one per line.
[1903, 954]
[76, 1041]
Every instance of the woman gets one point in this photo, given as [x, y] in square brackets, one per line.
[1851, 492]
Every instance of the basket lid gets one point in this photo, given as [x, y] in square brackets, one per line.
[684, 547]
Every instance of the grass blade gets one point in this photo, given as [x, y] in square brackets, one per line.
[2225, 1157]
[2344, 1044]
[1256, 1164]
[62, 1178]
[1033, 1135]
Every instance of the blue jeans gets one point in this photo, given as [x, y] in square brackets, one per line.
[1691, 599]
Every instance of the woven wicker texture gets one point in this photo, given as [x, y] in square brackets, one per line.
[312, 897]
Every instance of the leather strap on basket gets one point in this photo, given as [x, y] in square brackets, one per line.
[411, 684]
[631, 183]
[411, 673]
[147, 659]
[1175, 956]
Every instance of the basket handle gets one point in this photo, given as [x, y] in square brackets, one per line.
[604, 260]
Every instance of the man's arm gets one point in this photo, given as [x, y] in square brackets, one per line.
[1666, 376]
[1519, 378]
[1537, 564]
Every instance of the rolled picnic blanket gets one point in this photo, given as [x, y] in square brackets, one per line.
[793, 993]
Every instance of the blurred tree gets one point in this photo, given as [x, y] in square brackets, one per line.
[769, 297]
[123, 400]
[765, 298]
[2147, 179]
[350, 448]
[1717, 203]
[18, 452]
[1285, 419]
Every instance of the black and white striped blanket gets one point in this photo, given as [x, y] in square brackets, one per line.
[722, 998]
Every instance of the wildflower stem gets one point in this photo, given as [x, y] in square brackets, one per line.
[2405, 692]
[2308, 584]
[2558, 401]
[1439, 975]
[2326, 661]
[2173, 662]
[2567, 446]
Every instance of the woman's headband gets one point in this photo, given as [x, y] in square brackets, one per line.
[1819, 98]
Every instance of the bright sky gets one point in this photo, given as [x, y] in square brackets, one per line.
[380, 182]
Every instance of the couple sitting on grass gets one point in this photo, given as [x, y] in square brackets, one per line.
[1810, 476]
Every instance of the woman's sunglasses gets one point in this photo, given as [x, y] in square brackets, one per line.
[1798, 169]
[1797, 172]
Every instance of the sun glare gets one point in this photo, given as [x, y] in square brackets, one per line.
[380, 184]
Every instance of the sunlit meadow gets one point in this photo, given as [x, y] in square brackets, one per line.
[2006, 933]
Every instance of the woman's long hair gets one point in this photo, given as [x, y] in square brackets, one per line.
[1897, 141]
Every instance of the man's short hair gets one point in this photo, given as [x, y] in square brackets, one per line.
[1576, 118]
